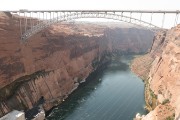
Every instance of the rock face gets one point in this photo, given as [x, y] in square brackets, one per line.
[163, 75]
[52, 63]
[130, 40]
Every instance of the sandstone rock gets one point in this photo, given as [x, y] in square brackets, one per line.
[164, 73]
[14, 115]
[160, 98]
[52, 63]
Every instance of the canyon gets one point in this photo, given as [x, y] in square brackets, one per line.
[160, 70]
[52, 63]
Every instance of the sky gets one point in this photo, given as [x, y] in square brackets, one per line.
[91, 5]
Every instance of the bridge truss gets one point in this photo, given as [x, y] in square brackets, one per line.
[32, 22]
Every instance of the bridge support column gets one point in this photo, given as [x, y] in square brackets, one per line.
[25, 22]
[176, 19]
[20, 28]
[140, 18]
[162, 26]
[151, 19]
[130, 16]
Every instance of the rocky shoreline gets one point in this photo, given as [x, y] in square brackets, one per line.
[102, 64]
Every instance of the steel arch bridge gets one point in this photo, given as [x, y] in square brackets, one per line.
[33, 22]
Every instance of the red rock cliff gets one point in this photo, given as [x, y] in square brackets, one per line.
[50, 64]
[163, 75]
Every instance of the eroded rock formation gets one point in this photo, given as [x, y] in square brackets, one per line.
[53, 62]
[161, 72]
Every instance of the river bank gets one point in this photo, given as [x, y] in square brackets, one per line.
[112, 89]
[99, 66]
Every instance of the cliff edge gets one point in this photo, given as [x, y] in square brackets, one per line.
[160, 69]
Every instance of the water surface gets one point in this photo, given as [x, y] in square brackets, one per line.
[113, 94]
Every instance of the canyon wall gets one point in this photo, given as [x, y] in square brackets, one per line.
[161, 72]
[52, 63]
[130, 40]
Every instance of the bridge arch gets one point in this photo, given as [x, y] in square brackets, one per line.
[76, 15]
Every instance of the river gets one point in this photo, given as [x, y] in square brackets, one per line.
[113, 94]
